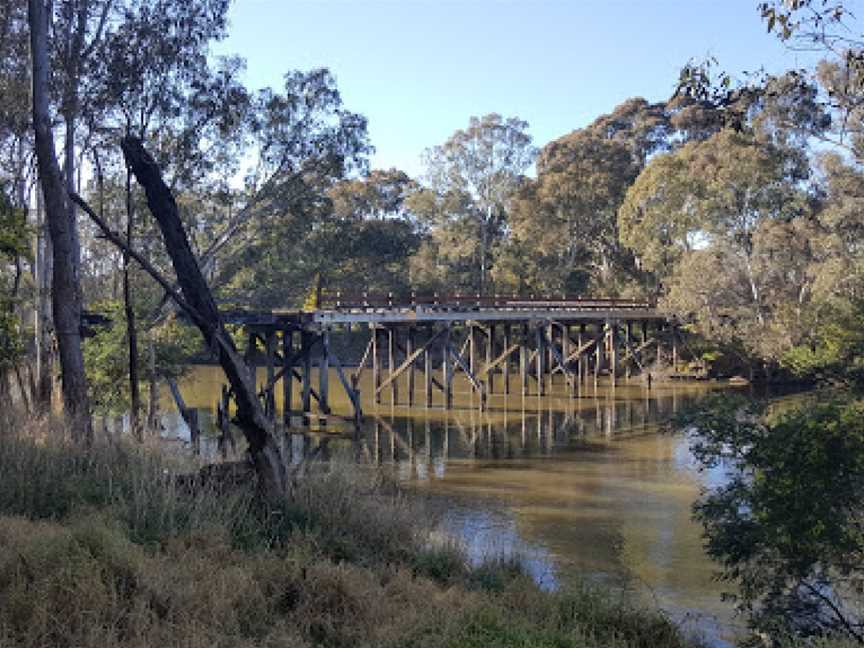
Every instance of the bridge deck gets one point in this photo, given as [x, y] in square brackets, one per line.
[386, 311]
[426, 314]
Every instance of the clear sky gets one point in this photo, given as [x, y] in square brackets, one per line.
[418, 69]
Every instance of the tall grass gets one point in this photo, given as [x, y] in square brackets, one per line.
[104, 547]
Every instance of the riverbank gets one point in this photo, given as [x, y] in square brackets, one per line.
[101, 547]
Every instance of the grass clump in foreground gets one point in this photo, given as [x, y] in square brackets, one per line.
[100, 547]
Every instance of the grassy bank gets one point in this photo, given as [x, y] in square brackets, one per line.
[104, 548]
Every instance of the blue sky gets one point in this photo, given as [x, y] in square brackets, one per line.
[418, 69]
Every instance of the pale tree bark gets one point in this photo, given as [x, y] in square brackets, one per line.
[66, 291]
[76, 52]
[43, 324]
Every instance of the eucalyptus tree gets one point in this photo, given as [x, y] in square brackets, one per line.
[478, 170]
[76, 33]
[446, 259]
[828, 27]
[707, 219]
[568, 215]
[304, 142]
[372, 233]
[66, 290]
[17, 174]
[381, 194]
[645, 128]
[564, 230]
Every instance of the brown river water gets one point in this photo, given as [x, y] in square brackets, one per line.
[582, 486]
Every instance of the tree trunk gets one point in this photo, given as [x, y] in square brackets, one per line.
[66, 293]
[43, 324]
[484, 242]
[69, 169]
[131, 332]
[153, 400]
[251, 419]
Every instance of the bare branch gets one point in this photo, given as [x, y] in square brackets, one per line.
[118, 241]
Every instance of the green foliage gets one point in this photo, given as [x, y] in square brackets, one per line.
[472, 178]
[15, 240]
[15, 234]
[11, 338]
[566, 219]
[349, 255]
[382, 194]
[299, 216]
[786, 525]
[812, 20]
[106, 356]
[726, 227]
[835, 353]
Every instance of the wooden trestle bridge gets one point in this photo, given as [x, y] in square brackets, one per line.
[431, 340]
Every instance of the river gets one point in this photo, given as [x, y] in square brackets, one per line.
[582, 486]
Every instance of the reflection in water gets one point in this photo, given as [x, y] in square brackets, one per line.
[582, 487]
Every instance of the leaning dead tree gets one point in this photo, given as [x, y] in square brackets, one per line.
[197, 301]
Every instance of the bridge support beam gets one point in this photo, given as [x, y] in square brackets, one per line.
[490, 352]
[540, 356]
[582, 367]
[270, 393]
[598, 352]
[627, 337]
[410, 343]
[523, 360]
[427, 375]
[324, 373]
[448, 371]
[306, 350]
[391, 364]
[506, 376]
[558, 359]
[376, 368]
[565, 352]
[287, 375]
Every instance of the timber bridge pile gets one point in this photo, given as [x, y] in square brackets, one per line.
[428, 340]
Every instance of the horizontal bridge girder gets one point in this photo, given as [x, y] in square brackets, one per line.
[412, 316]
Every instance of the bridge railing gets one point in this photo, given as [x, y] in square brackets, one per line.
[366, 300]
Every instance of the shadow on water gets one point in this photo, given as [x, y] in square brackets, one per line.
[580, 486]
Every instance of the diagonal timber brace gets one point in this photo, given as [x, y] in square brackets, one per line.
[471, 377]
[500, 359]
[559, 358]
[408, 361]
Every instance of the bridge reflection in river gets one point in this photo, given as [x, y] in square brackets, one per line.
[584, 486]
